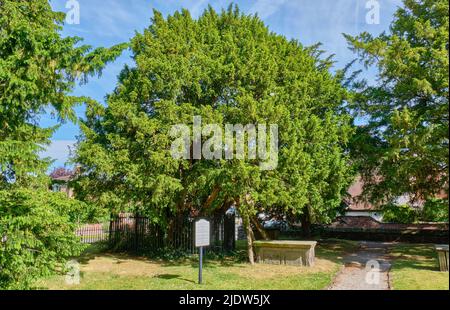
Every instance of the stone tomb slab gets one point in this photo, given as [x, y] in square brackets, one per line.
[285, 252]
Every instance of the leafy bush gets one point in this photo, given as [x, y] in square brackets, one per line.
[77, 211]
[36, 235]
[435, 210]
[402, 214]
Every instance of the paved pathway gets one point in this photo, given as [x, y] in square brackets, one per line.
[366, 269]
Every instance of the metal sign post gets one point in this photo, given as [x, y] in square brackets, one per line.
[202, 233]
[200, 265]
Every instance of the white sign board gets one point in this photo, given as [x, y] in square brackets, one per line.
[201, 233]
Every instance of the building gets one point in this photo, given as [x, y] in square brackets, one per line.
[357, 206]
[61, 184]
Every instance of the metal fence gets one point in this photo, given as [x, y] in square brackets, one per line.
[138, 234]
[92, 233]
[131, 233]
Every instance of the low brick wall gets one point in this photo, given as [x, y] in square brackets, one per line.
[413, 236]
[366, 228]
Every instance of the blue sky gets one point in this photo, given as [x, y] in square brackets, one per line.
[108, 22]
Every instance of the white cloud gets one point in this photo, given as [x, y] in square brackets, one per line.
[197, 8]
[312, 21]
[110, 18]
[59, 150]
[266, 8]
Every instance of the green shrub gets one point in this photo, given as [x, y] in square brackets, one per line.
[78, 212]
[402, 214]
[36, 236]
[435, 210]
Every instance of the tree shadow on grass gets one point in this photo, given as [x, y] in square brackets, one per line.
[211, 261]
[411, 264]
[415, 256]
[168, 276]
[102, 251]
[335, 250]
[207, 263]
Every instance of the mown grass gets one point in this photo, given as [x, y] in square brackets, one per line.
[416, 267]
[100, 271]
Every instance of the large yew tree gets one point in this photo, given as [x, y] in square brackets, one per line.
[227, 68]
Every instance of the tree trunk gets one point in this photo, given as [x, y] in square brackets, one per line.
[229, 233]
[172, 228]
[250, 239]
[305, 219]
[211, 198]
[171, 231]
[261, 231]
[249, 232]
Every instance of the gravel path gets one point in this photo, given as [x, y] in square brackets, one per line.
[366, 269]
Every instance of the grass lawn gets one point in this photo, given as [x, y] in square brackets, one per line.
[415, 267]
[119, 271]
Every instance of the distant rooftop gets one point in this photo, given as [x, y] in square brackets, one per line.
[64, 178]
[355, 202]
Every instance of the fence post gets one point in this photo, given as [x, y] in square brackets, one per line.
[229, 233]
[136, 220]
[110, 229]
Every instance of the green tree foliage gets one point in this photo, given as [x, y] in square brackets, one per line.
[406, 143]
[435, 210]
[227, 68]
[35, 237]
[38, 68]
[403, 214]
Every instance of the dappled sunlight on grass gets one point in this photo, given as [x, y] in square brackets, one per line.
[336, 249]
[415, 266]
[120, 271]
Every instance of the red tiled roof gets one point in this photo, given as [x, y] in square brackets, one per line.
[65, 178]
[355, 222]
[355, 202]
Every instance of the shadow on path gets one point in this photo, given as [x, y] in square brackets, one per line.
[365, 269]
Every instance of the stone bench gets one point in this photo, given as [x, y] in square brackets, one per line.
[279, 252]
[442, 251]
